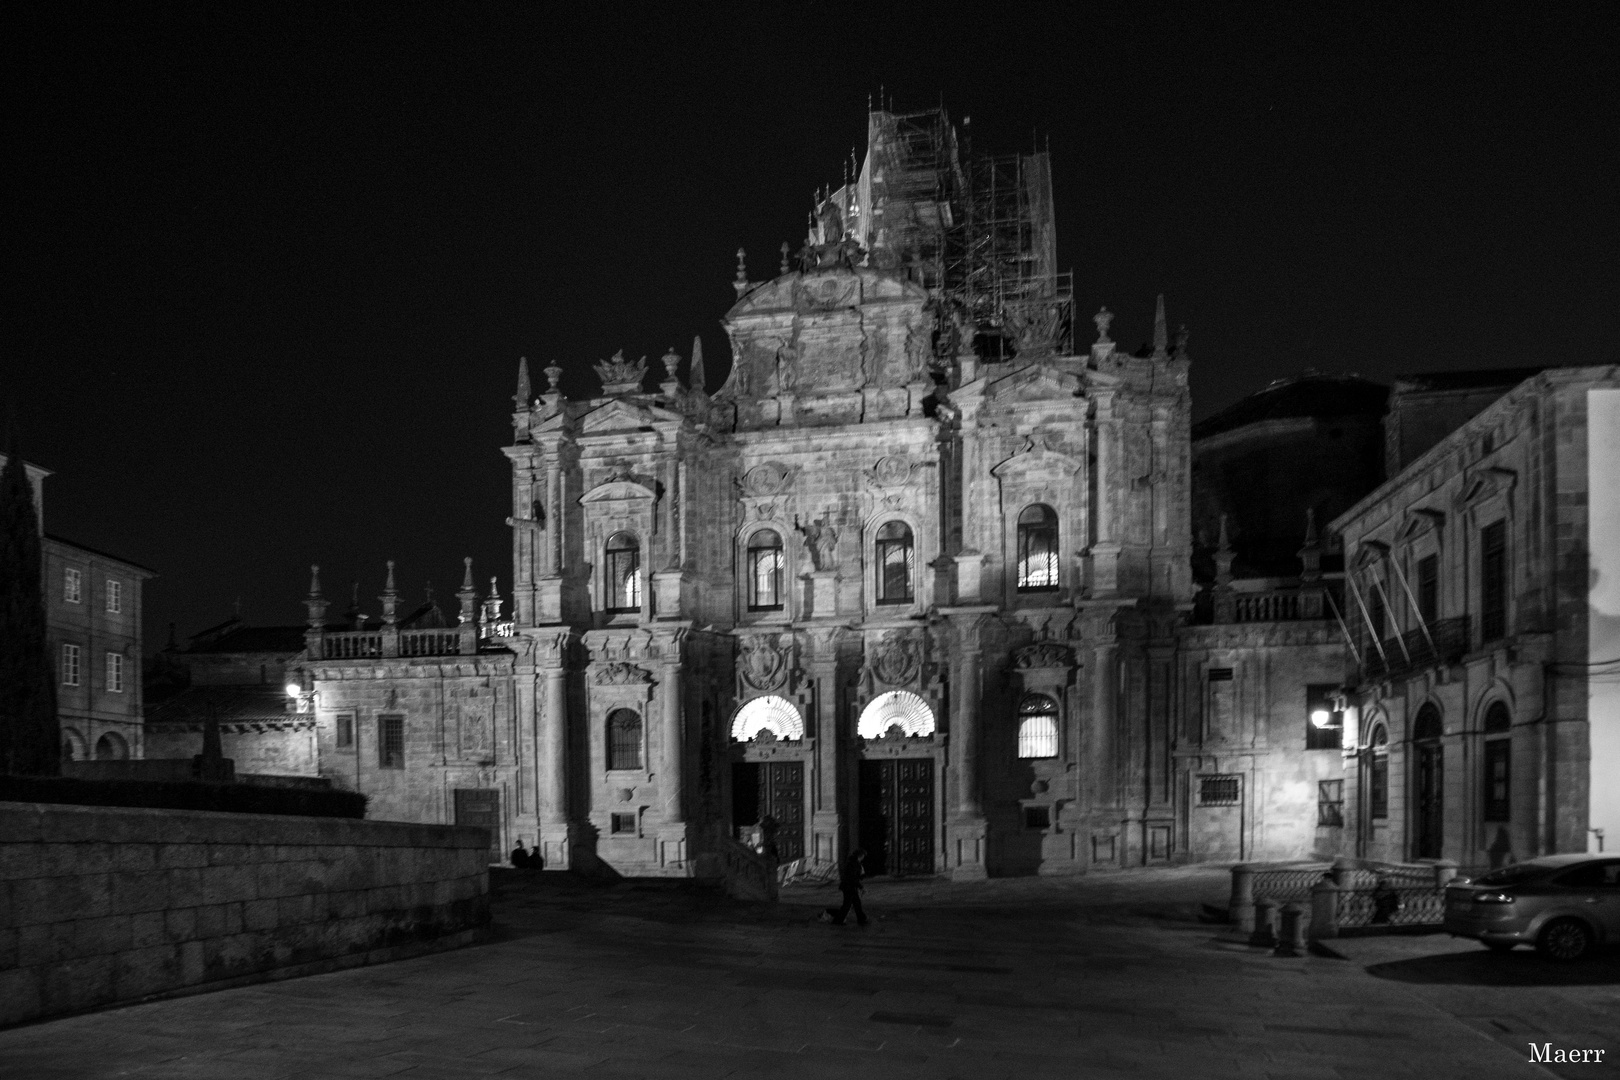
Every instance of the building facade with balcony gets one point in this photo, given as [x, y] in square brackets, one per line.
[1482, 591]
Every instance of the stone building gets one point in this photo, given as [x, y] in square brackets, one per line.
[1485, 595]
[93, 633]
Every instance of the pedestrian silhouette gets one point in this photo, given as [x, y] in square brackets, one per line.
[850, 873]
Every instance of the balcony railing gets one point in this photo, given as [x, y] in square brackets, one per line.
[1412, 651]
[354, 645]
[374, 644]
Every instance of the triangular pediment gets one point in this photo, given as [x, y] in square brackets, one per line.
[621, 415]
[1036, 382]
[1483, 484]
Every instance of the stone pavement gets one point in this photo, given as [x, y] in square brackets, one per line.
[1111, 975]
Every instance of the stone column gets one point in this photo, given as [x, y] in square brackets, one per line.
[671, 772]
[1105, 679]
[552, 750]
[965, 829]
[965, 735]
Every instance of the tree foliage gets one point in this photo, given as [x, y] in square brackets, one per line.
[30, 742]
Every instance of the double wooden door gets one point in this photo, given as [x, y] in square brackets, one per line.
[1429, 828]
[897, 815]
[774, 788]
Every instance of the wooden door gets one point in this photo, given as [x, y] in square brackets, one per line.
[1430, 834]
[897, 816]
[781, 795]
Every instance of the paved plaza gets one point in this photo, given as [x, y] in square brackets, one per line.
[1112, 975]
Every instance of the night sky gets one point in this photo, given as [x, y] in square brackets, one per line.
[269, 275]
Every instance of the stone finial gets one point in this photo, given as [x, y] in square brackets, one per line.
[492, 606]
[741, 283]
[315, 602]
[1223, 557]
[468, 597]
[621, 376]
[694, 374]
[1180, 344]
[1104, 318]
[1310, 556]
[524, 394]
[1161, 335]
[390, 598]
[553, 374]
[785, 249]
[672, 360]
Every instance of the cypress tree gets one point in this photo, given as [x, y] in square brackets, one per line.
[30, 741]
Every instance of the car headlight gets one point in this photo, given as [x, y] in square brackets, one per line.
[1493, 898]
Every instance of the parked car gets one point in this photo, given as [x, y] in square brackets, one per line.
[1564, 905]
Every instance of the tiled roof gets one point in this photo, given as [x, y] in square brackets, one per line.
[228, 704]
[1310, 395]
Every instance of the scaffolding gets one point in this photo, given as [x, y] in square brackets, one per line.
[976, 231]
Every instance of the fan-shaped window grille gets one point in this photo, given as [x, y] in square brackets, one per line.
[774, 714]
[1037, 727]
[897, 708]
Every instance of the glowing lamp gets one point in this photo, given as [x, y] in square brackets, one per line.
[1322, 718]
[293, 689]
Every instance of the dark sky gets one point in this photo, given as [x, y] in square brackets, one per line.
[269, 272]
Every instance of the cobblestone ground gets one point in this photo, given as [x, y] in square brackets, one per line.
[1105, 976]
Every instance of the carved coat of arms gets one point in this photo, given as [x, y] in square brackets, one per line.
[896, 660]
[620, 673]
[764, 664]
[1045, 654]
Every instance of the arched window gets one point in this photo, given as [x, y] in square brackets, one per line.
[765, 571]
[894, 563]
[1037, 548]
[1378, 773]
[1037, 727]
[624, 739]
[1498, 763]
[111, 747]
[1427, 726]
[622, 565]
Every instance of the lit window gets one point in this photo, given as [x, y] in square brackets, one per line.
[391, 742]
[1037, 727]
[115, 673]
[765, 571]
[624, 739]
[894, 563]
[623, 566]
[1037, 548]
[1330, 803]
[71, 583]
[115, 596]
[70, 665]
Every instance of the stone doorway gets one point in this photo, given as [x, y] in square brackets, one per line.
[897, 816]
[482, 807]
[776, 788]
[1429, 837]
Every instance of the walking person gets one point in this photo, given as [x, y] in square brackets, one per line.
[850, 873]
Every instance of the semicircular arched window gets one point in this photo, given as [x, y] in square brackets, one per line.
[1426, 728]
[624, 739]
[894, 563]
[1037, 548]
[897, 709]
[770, 713]
[765, 571]
[622, 567]
[1037, 727]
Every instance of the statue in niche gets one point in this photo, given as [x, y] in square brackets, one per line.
[821, 539]
[787, 366]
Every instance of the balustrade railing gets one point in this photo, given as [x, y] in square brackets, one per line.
[429, 642]
[351, 645]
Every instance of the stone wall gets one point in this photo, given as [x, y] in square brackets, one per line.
[106, 904]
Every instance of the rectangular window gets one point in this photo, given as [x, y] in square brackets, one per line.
[765, 571]
[115, 596]
[1219, 790]
[1037, 817]
[345, 731]
[1498, 776]
[115, 673]
[1330, 803]
[1428, 588]
[70, 665]
[1375, 609]
[1220, 674]
[391, 742]
[1493, 581]
[72, 582]
[1320, 702]
[1378, 786]
[623, 824]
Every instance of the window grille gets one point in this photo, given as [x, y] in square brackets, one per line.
[1493, 581]
[345, 730]
[70, 665]
[72, 582]
[624, 739]
[1220, 674]
[623, 568]
[115, 673]
[391, 742]
[1037, 727]
[623, 825]
[115, 596]
[1037, 548]
[765, 571]
[894, 563]
[1330, 803]
[1219, 790]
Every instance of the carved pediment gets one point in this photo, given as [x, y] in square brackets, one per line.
[1370, 553]
[623, 415]
[620, 673]
[1479, 485]
[1034, 382]
[1420, 520]
[1035, 454]
[619, 489]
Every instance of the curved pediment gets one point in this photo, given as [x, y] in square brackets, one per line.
[1035, 454]
[619, 489]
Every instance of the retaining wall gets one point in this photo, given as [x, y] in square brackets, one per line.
[106, 904]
